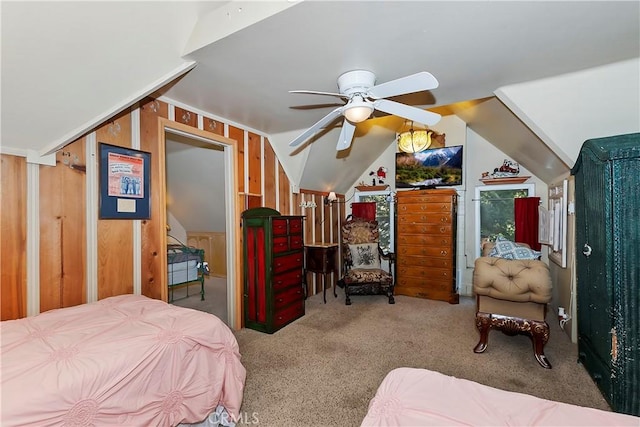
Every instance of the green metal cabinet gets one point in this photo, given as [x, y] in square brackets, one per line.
[607, 180]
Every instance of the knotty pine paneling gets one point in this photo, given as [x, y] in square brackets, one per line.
[115, 236]
[13, 237]
[253, 201]
[213, 126]
[238, 135]
[295, 201]
[185, 117]
[154, 229]
[254, 156]
[269, 176]
[284, 190]
[321, 224]
[63, 237]
[214, 244]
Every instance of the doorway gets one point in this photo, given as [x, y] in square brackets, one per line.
[201, 213]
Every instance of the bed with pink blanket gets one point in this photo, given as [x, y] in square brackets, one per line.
[127, 360]
[418, 397]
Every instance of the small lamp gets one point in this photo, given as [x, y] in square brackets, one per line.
[331, 198]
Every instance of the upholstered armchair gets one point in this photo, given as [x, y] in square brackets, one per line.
[361, 261]
[512, 296]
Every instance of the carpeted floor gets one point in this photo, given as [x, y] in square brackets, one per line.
[215, 297]
[323, 369]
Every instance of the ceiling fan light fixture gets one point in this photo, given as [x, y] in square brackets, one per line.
[414, 140]
[358, 110]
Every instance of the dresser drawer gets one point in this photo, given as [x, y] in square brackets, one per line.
[424, 261]
[285, 280]
[420, 240]
[295, 225]
[410, 198]
[424, 251]
[425, 274]
[287, 262]
[279, 226]
[280, 244]
[287, 296]
[425, 218]
[410, 208]
[410, 231]
[296, 241]
[288, 314]
[437, 291]
[287, 243]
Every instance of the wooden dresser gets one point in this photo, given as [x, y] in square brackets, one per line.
[273, 253]
[426, 244]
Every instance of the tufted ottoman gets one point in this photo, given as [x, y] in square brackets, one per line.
[512, 296]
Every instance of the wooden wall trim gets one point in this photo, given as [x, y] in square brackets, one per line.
[91, 157]
[33, 239]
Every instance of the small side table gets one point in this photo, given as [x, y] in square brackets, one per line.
[322, 258]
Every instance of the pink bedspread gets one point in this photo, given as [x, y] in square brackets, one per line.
[126, 360]
[418, 397]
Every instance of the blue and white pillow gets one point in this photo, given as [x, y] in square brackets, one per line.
[509, 250]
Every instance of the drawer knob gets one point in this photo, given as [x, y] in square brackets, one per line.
[443, 252]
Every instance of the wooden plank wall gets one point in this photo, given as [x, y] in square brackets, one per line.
[322, 225]
[63, 228]
[115, 239]
[13, 237]
[215, 250]
[63, 237]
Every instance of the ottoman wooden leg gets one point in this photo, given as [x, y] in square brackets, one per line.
[540, 335]
[483, 323]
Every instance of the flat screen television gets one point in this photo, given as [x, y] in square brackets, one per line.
[433, 167]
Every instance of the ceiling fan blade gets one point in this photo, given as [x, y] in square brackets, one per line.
[316, 92]
[413, 83]
[412, 113]
[318, 125]
[346, 135]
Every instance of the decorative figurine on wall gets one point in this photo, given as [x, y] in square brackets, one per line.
[380, 175]
[508, 168]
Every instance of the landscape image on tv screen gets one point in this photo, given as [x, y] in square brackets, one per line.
[435, 167]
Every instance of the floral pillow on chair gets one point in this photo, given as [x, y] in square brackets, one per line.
[365, 256]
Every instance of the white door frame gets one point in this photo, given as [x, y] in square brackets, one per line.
[232, 217]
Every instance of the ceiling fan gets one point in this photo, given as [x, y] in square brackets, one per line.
[363, 96]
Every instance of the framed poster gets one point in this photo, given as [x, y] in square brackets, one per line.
[124, 183]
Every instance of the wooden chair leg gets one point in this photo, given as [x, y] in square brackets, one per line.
[347, 300]
[392, 300]
[483, 323]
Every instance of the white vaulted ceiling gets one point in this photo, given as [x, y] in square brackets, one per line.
[67, 66]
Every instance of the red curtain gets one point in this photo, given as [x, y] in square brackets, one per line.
[526, 218]
[366, 210]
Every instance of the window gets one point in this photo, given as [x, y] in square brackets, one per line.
[384, 215]
[495, 212]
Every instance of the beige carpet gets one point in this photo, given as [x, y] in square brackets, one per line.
[323, 369]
